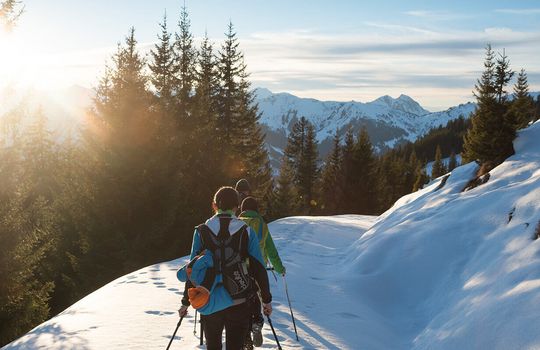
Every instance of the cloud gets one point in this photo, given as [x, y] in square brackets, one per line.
[438, 15]
[440, 68]
[530, 11]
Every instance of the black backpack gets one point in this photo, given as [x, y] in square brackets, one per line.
[230, 253]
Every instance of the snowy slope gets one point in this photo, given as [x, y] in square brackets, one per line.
[441, 269]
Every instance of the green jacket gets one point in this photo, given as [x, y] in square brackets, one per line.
[268, 249]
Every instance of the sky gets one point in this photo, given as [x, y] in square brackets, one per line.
[330, 50]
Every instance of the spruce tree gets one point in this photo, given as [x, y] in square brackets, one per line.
[331, 195]
[363, 168]
[164, 70]
[521, 110]
[186, 59]
[421, 178]
[439, 169]
[238, 120]
[491, 135]
[230, 66]
[452, 163]
[286, 197]
[301, 154]
[347, 176]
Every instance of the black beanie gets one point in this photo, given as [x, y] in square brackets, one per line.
[242, 185]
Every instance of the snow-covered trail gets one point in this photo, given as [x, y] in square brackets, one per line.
[138, 311]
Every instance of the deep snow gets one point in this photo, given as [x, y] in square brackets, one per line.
[441, 269]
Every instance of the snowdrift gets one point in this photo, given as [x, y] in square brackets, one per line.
[442, 269]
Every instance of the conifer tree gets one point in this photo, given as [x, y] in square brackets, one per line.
[363, 167]
[421, 178]
[207, 85]
[163, 69]
[301, 154]
[521, 110]
[286, 196]
[121, 139]
[491, 135]
[347, 173]
[238, 119]
[186, 59]
[452, 163]
[331, 195]
[503, 76]
[230, 66]
[439, 169]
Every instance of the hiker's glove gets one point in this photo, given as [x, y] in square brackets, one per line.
[183, 311]
[284, 271]
[267, 309]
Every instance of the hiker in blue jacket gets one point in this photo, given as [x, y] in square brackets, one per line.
[218, 282]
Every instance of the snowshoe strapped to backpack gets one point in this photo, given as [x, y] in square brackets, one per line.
[230, 252]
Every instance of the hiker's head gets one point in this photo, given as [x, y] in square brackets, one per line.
[226, 198]
[242, 186]
[250, 203]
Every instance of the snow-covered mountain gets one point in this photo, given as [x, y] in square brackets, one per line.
[388, 120]
[442, 269]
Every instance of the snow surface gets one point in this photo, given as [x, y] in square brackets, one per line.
[441, 269]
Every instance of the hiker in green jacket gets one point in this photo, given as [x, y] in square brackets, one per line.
[250, 215]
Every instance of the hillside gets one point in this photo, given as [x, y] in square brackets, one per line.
[441, 269]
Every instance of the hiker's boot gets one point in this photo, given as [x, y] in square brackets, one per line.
[257, 333]
[248, 343]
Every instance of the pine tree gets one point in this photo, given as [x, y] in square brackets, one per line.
[439, 169]
[363, 168]
[238, 119]
[491, 135]
[121, 140]
[331, 195]
[452, 163]
[347, 176]
[164, 70]
[503, 75]
[521, 110]
[421, 178]
[186, 59]
[286, 195]
[301, 154]
[230, 66]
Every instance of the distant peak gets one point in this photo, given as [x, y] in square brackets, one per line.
[403, 102]
[262, 92]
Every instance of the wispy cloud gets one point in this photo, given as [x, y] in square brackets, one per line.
[438, 15]
[530, 11]
[438, 68]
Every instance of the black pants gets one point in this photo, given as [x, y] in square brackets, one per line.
[235, 320]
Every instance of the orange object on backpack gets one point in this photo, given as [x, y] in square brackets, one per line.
[198, 297]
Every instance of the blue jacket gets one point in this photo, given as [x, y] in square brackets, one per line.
[219, 297]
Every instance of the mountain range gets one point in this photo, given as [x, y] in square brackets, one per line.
[389, 121]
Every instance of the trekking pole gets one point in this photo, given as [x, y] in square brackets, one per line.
[201, 340]
[290, 307]
[176, 330]
[195, 324]
[273, 331]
